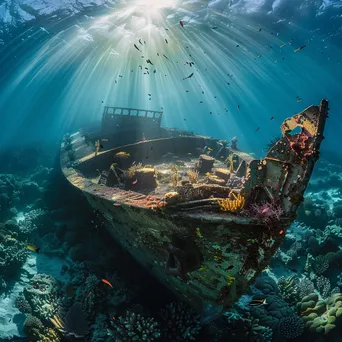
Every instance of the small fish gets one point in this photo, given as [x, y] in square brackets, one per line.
[214, 28]
[165, 56]
[272, 117]
[149, 61]
[299, 100]
[238, 107]
[135, 182]
[281, 46]
[89, 294]
[188, 76]
[281, 232]
[300, 48]
[157, 53]
[181, 23]
[210, 149]
[137, 48]
[166, 41]
[307, 212]
[140, 42]
[229, 267]
[149, 94]
[117, 204]
[32, 248]
[154, 71]
[101, 146]
[258, 302]
[106, 282]
[259, 29]
[123, 155]
[258, 129]
[104, 139]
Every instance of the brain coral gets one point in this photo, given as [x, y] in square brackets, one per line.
[321, 316]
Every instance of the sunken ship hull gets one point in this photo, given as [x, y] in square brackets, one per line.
[209, 238]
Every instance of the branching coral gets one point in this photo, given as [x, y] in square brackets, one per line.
[323, 286]
[174, 176]
[23, 305]
[193, 176]
[267, 212]
[289, 289]
[180, 323]
[134, 327]
[233, 205]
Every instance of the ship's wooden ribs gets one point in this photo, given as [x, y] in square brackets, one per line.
[203, 202]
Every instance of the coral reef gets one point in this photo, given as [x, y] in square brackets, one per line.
[232, 205]
[267, 212]
[180, 323]
[291, 327]
[12, 254]
[134, 327]
[42, 295]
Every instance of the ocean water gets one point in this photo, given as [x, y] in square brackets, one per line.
[219, 68]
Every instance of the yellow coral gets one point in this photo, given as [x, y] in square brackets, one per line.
[174, 177]
[230, 163]
[133, 169]
[193, 176]
[234, 205]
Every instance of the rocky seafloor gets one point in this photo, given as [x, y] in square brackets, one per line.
[58, 295]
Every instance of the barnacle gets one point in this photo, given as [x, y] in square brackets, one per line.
[234, 205]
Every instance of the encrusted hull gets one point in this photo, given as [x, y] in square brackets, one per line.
[208, 257]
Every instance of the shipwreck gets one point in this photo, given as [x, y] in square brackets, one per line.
[201, 215]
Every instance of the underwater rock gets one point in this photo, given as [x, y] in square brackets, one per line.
[76, 321]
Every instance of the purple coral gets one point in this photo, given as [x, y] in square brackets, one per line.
[267, 212]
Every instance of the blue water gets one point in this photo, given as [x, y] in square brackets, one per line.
[57, 75]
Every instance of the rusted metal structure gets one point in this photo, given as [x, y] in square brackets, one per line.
[208, 239]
